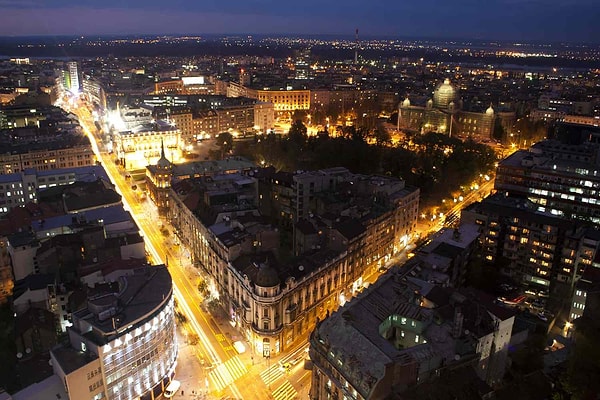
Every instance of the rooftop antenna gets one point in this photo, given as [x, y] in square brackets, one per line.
[356, 47]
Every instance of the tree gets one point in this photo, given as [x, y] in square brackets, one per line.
[498, 132]
[580, 380]
[527, 131]
[298, 115]
[382, 136]
[225, 142]
[297, 133]
[203, 288]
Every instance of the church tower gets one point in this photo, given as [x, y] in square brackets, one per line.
[158, 179]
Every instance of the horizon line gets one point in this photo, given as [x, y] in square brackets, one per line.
[299, 35]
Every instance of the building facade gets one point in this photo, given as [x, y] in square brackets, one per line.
[562, 179]
[94, 90]
[275, 303]
[402, 332]
[123, 344]
[73, 71]
[545, 253]
[443, 113]
[142, 146]
[20, 188]
[286, 100]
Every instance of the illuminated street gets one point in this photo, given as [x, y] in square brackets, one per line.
[227, 370]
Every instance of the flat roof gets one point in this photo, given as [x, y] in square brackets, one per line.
[71, 359]
[140, 294]
[50, 388]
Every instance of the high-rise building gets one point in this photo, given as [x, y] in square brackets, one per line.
[562, 179]
[73, 76]
[543, 252]
[302, 65]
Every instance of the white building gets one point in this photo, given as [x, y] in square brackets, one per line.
[73, 77]
[123, 345]
[141, 146]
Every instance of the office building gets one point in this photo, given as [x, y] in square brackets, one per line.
[73, 71]
[122, 345]
[561, 179]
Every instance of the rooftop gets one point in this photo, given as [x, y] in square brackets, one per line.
[138, 296]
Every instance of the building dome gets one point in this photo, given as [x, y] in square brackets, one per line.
[444, 94]
[406, 103]
[266, 276]
[489, 111]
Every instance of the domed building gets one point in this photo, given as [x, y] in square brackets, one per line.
[444, 94]
[443, 113]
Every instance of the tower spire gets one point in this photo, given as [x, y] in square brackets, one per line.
[356, 47]
[162, 148]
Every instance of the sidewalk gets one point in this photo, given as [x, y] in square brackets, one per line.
[190, 372]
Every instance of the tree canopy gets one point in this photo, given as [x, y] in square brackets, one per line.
[433, 162]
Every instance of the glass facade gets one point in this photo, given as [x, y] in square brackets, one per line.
[139, 360]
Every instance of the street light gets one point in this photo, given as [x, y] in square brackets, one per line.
[568, 325]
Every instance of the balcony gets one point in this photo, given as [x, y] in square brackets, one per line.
[269, 332]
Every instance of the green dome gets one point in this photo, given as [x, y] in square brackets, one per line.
[444, 94]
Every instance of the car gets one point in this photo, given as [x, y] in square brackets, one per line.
[285, 367]
[171, 389]
[298, 358]
[539, 303]
[239, 347]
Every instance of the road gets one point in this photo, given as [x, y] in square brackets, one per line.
[229, 374]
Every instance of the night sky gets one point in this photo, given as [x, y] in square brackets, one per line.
[545, 20]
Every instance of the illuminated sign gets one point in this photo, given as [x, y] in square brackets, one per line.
[192, 80]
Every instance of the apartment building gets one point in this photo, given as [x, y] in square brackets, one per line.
[276, 302]
[404, 331]
[561, 179]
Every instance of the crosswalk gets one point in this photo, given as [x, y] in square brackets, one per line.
[285, 392]
[226, 373]
[271, 374]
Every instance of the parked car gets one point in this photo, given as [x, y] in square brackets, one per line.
[171, 389]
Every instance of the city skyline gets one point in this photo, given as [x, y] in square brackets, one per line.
[499, 19]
